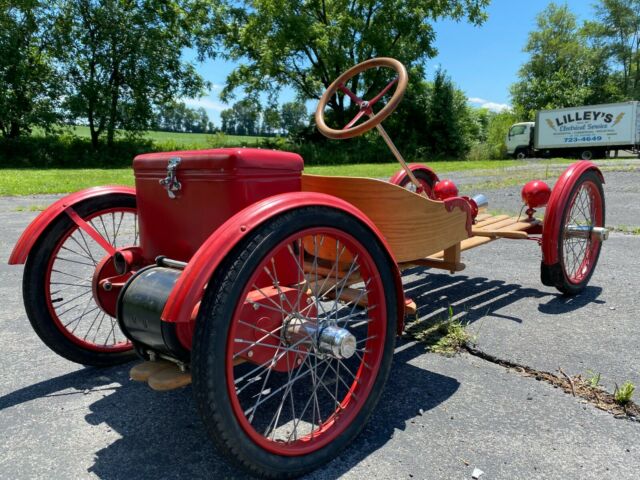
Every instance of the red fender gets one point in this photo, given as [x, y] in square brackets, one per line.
[190, 286]
[553, 213]
[397, 178]
[41, 222]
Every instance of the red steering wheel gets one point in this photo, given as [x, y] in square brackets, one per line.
[353, 129]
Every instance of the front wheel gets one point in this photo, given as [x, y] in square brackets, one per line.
[65, 308]
[578, 249]
[294, 342]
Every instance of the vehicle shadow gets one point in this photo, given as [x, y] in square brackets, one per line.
[162, 436]
[472, 298]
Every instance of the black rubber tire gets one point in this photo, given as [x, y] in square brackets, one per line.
[562, 282]
[33, 286]
[212, 328]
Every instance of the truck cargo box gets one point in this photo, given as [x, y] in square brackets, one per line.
[608, 125]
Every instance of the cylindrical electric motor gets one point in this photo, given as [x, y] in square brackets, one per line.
[140, 305]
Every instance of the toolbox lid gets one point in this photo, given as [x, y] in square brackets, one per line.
[222, 158]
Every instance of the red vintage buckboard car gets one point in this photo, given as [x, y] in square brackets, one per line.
[277, 294]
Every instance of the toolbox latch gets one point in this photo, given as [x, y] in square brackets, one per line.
[170, 182]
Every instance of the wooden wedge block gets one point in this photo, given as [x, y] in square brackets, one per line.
[169, 379]
[410, 307]
[142, 371]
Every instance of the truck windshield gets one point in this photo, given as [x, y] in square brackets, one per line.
[517, 130]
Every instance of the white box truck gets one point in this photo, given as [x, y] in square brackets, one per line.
[592, 131]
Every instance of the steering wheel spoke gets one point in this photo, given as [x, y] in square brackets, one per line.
[377, 98]
[359, 115]
[354, 98]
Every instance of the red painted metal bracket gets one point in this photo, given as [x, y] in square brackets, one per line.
[89, 230]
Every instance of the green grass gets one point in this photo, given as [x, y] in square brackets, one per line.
[56, 180]
[623, 394]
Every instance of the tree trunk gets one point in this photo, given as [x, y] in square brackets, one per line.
[94, 138]
[113, 110]
[14, 130]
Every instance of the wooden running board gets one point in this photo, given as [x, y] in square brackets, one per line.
[489, 228]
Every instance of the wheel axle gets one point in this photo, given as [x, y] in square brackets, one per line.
[585, 231]
[335, 341]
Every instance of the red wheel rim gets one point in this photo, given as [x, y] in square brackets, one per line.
[69, 281]
[578, 255]
[307, 404]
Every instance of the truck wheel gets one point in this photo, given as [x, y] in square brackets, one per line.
[58, 282]
[293, 342]
[521, 154]
[579, 255]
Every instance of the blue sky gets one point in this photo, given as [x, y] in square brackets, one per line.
[482, 61]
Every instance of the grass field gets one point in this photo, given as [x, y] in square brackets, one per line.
[44, 181]
[187, 140]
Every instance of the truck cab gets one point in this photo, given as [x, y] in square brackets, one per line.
[520, 139]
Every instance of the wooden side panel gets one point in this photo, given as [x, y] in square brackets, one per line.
[414, 226]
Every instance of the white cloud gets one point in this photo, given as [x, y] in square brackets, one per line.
[205, 102]
[493, 106]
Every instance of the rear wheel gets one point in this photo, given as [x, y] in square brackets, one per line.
[294, 341]
[59, 283]
[578, 253]
[426, 182]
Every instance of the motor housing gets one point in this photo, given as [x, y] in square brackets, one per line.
[140, 306]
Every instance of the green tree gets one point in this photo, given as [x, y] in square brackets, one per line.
[29, 85]
[123, 61]
[306, 44]
[448, 127]
[497, 129]
[561, 70]
[617, 33]
[246, 113]
[228, 121]
[293, 116]
[271, 119]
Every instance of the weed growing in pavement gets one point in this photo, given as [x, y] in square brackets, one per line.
[623, 394]
[593, 379]
[627, 229]
[446, 336]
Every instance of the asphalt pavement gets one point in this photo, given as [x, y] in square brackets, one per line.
[439, 418]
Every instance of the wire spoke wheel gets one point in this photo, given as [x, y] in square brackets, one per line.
[303, 393]
[307, 346]
[60, 282]
[70, 274]
[578, 248]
